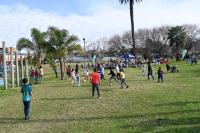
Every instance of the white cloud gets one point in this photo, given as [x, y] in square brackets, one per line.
[105, 19]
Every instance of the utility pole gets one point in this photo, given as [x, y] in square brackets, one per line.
[84, 52]
[12, 67]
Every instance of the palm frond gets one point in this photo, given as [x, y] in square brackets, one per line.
[24, 43]
[128, 1]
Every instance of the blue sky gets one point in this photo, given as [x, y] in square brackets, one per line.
[90, 19]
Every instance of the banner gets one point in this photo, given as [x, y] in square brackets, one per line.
[184, 53]
[94, 58]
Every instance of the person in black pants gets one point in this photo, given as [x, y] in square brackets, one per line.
[95, 81]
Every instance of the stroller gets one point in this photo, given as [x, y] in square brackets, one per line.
[174, 69]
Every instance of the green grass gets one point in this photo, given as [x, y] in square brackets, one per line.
[62, 107]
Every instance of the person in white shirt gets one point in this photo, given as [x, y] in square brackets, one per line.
[117, 71]
[143, 70]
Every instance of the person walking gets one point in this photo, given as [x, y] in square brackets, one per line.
[77, 78]
[56, 71]
[168, 63]
[113, 76]
[26, 91]
[150, 71]
[102, 75]
[160, 74]
[41, 74]
[122, 75]
[95, 81]
[143, 70]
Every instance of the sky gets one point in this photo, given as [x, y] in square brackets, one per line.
[90, 19]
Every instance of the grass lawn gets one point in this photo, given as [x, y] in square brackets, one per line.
[62, 107]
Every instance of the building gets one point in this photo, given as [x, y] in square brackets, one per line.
[8, 59]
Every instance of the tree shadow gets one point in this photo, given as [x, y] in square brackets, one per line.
[178, 103]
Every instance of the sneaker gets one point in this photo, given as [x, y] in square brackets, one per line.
[127, 86]
[110, 84]
[100, 97]
[75, 84]
[121, 87]
[79, 85]
[27, 118]
[158, 81]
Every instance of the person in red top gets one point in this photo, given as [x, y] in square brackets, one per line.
[95, 81]
[168, 63]
[33, 75]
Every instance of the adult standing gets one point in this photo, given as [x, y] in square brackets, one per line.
[150, 71]
[95, 81]
[168, 63]
[56, 71]
[41, 74]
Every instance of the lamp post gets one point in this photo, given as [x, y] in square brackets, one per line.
[84, 51]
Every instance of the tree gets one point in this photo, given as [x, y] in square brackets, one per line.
[60, 42]
[36, 45]
[131, 2]
[177, 39]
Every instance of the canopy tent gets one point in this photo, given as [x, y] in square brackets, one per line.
[128, 56]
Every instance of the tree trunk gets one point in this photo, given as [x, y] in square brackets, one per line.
[61, 68]
[132, 28]
[178, 57]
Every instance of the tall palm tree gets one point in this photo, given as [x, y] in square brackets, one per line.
[177, 39]
[37, 44]
[60, 42]
[131, 2]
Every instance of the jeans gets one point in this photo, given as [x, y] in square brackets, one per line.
[160, 76]
[118, 76]
[78, 80]
[41, 78]
[95, 85]
[187, 60]
[150, 73]
[33, 78]
[113, 77]
[123, 82]
[26, 107]
[168, 67]
[56, 74]
[143, 72]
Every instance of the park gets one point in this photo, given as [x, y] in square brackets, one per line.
[94, 66]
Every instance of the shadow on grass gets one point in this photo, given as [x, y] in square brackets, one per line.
[66, 98]
[178, 103]
[151, 125]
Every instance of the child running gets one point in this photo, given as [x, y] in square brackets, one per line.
[26, 91]
[160, 74]
[113, 76]
[86, 72]
[73, 77]
[122, 75]
[102, 75]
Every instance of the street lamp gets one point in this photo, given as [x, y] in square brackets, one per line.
[84, 51]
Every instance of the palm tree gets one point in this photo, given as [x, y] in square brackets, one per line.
[37, 44]
[60, 42]
[177, 39]
[131, 2]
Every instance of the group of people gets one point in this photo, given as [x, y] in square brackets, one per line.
[193, 59]
[34, 74]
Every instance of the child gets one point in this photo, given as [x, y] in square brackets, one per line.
[26, 91]
[113, 76]
[102, 75]
[143, 71]
[77, 77]
[86, 72]
[160, 74]
[33, 75]
[73, 77]
[122, 79]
